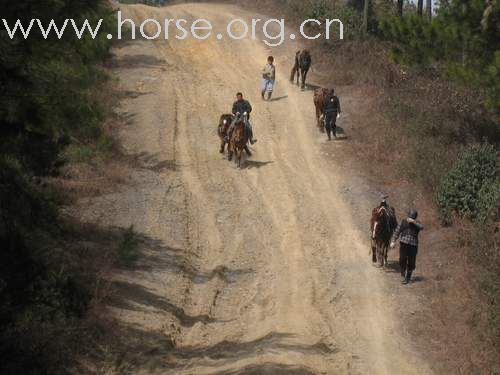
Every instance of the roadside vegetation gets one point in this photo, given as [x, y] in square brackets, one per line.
[54, 100]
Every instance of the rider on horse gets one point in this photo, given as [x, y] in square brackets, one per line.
[331, 111]
[240, 107]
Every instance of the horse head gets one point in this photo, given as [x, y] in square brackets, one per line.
[305, 59]
[224, 123]
[382, 225]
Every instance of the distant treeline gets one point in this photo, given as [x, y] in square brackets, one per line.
[462, 40]
[49, 99]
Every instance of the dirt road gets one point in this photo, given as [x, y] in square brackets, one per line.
[263, 270]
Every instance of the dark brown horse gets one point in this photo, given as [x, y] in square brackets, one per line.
[382, 226]
[320, 98]
[224, 123]
[301, 67]
[238, 141]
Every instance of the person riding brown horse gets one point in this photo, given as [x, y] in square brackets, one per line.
[225, 122]
[382, 225]
[239, 139]
[241, 107]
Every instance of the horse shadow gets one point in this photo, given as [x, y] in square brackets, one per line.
[417, 279]
[249, 164]
[393, 266]
[311, 87]
[341, 135]
[278, 98]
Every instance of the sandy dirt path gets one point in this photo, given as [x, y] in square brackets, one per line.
[263, 270]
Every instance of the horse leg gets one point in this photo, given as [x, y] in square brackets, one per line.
[298, 75]
[374, 252]
[239, 152]
[318, 115]
[222, 146]
[230, 154]
[380, 255]
[303, 75]
[248, 151]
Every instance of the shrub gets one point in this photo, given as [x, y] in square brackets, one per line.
[464, 189]
[489, 201]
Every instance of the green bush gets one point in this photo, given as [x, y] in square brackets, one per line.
[489, 201]
[466, 188]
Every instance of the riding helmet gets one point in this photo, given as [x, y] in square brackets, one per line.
[412, 213]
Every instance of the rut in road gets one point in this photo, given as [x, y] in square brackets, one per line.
[262, 270]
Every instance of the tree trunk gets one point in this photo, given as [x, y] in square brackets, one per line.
[365, 16]
[420, 7]
[400, 8]
[428, 9]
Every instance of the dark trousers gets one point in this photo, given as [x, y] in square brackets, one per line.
[407, 258]
[331, 123]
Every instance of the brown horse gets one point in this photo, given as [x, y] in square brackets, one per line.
[238, 141]
[382, 226]
[301, 67]
[320, 97]
[224, 123]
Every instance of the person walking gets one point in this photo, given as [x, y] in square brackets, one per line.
[268, 78]
[407, 232]
[331, 110]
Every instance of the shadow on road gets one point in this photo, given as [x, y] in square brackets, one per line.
[135, 347]
[311, 87]
[249, 164]
[279, 98]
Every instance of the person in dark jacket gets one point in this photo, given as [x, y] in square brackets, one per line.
[331, 110]
[407, 232]
[241, 106]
